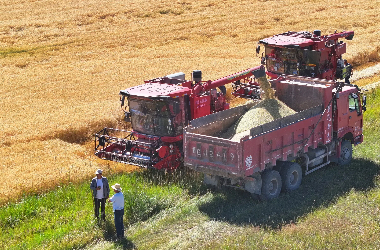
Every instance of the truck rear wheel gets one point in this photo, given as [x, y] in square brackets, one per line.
[271, 186]
[345, 156]
[291, 174]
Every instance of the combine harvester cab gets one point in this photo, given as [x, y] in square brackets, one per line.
[274, 156]
[299, 54]
[306, 54]
[158, 111]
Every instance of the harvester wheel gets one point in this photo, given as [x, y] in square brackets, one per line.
[291, 174]
[345, 156]
[271, 186]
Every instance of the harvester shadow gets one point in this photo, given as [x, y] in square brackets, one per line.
[320, 189]
[183, 177]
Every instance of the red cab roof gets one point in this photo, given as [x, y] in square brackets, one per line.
[156, 90]
[289, 39]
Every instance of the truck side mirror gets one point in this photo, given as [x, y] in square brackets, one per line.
[257, 49]
[364, 108]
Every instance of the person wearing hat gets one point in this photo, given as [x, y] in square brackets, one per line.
[118, 209]
[100, 192]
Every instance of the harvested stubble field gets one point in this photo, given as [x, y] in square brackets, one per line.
[64, 62]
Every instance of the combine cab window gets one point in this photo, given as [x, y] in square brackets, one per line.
[292, 61]
[156, 116]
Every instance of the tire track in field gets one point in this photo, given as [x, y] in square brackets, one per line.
[367, 72]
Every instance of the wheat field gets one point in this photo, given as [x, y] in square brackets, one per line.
[64, 62]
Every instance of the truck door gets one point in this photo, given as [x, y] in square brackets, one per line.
[349, 114]
[355, 119]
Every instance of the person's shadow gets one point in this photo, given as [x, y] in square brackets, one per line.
[319, 189]
[109, 232]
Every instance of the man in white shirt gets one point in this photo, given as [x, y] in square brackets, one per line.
[100, 191]
[118, 209]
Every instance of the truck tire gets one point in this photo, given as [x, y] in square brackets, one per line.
[271, 186]
[291, 174]
[345, 156]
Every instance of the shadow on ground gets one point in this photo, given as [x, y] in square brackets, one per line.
[109, 234]
[319, 189]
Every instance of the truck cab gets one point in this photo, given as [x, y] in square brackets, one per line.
[348, 122]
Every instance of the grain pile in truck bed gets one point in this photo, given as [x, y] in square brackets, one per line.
[266, 111]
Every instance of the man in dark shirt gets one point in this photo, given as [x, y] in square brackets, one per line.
[100, 193]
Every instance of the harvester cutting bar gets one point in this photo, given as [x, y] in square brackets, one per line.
[129, 149]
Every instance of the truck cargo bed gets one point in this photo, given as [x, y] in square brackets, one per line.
[262, 145]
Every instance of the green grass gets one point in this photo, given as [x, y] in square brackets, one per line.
[63, 218]
[335, 208]
[370, 148]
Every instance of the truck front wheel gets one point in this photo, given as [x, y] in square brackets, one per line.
[291, 175]
[345, 156]
[271, 186]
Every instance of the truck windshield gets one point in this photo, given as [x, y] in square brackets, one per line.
[159, 117]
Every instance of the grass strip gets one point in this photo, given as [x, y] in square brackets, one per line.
[63, 218]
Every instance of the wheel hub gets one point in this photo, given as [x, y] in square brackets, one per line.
[346, 153]
[293, 178]
[273, 186]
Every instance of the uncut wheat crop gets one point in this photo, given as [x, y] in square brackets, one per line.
[63, 63]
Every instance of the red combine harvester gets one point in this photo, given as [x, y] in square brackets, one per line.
[300, 54]
[158, 111]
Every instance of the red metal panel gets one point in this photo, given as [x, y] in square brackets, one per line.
[279, 144]
[213, 153]
[329, 75]
[341, 49]
[200, 106]
[253, 155]
[341, 121]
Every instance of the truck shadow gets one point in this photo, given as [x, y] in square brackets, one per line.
[319, 189]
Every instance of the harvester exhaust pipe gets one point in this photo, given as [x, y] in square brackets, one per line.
[317, 32]
[197, 76]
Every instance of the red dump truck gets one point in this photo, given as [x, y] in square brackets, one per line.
[275, 156]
